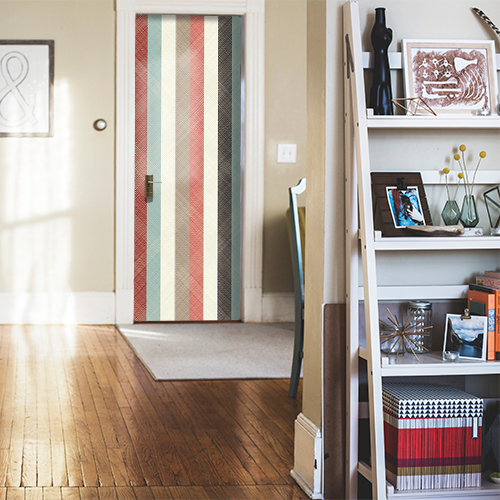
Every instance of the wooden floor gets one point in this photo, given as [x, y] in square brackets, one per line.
[82, 419]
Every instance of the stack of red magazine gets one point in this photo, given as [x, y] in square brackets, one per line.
[432, 436]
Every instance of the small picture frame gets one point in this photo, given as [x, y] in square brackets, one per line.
[400, 202]
[467, 336]
[451, 76]
[405, 206]
[26, 88]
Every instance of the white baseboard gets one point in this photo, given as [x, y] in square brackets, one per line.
[67, 308]
[252, 305]
[308, 462]
[124, 307]
[278, 307]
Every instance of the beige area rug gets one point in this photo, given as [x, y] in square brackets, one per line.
[195, 351]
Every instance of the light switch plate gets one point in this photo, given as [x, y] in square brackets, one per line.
[287, 153]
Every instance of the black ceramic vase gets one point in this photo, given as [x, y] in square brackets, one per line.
[381, 94]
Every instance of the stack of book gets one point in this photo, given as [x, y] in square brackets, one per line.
[433, 436]
[484, 300]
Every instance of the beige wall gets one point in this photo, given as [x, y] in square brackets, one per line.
[285, 122]
[57, 193]
[57, 221]
[315, 206]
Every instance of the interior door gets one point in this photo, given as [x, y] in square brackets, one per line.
[188, 138]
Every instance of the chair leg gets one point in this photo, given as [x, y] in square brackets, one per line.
[298, 354]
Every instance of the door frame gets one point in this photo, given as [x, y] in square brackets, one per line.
[253, 173]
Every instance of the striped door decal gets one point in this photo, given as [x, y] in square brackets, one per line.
[188, 112]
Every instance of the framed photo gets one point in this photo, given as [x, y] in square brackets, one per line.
[26, 88]
[467, 336]
[405, 206]
[456, 76]
[400, 202]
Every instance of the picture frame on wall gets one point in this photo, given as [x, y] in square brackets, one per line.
[399, 202]
[451, 76]
[26, 88]
[466, 335]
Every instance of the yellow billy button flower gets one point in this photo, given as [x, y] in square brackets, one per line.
[482, 154]
[457, 157]
[460, 175]
[462, 147]
[446, 170]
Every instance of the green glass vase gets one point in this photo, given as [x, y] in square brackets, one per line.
[451, 213]
[468, 215]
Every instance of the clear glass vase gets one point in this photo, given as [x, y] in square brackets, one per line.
[468, 215]
[451, 213]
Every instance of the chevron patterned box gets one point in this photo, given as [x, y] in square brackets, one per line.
[432, 436]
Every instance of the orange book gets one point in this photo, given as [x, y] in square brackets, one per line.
[487, 303]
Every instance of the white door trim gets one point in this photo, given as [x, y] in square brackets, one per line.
[253, 172]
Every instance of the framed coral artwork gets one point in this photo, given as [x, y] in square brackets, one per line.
[451, 76]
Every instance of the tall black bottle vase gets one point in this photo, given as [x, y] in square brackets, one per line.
[381, 93]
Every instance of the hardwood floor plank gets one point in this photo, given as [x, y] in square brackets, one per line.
[290, 492]
[6, 391]
[57, 443]
[126, 493]
[52, 493]
[143, 493]
[15, 494]
[129, 463]
[79, 396]
[97, 382]
[263, 455]
[248, 454]
[89, 493]
[268, 492]
[44, 462]
[218, 436]
[257, 432]
[4, 461]
[161, 493]
[62, 349]
[30, 448]
[15, 461]
[189, 493]
[33, 494]
[107, 493]
[142, 449]
[170, 466]
[29, 458]
[201, 470]
[70, 493]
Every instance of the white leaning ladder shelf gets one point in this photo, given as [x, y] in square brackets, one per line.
[362, 243]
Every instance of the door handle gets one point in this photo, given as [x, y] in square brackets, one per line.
[148, 186]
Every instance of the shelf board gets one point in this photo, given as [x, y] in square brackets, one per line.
[416, 292]
[396, 60]
[488, 489]
[432, 122]
[430, 364]
[439, 243]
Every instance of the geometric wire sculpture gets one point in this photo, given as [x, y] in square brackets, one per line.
[402, 332]
[493, 205]
[415, 104]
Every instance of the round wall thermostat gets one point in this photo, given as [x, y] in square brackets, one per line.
[100, 124]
